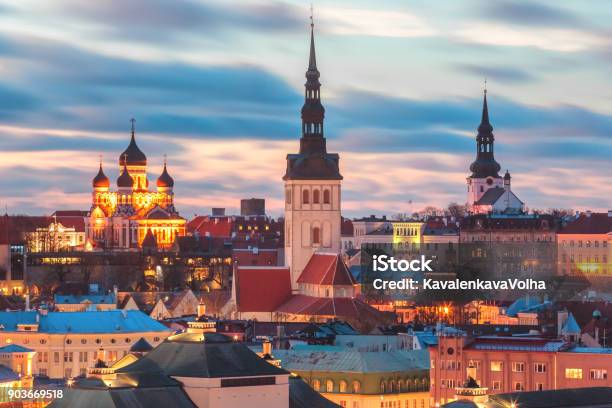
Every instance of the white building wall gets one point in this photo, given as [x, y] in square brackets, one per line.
[302, 220]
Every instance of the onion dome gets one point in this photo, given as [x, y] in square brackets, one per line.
[133, 156]
[125, 180]
[101, 180]
[164, 180]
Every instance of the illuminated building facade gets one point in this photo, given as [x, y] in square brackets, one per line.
[585, 244]
[514, 364]
[120, 219]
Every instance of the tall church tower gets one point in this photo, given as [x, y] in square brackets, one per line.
[312, 183]
[485, 170]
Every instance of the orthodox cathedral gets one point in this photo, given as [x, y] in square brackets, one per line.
[121, 219]
[487, 191]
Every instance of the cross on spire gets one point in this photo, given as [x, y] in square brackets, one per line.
[133, 125]
[311, 16]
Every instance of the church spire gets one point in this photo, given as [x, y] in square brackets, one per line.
[485, 164]
[313, 111]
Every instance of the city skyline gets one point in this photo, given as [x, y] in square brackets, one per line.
[226, 116]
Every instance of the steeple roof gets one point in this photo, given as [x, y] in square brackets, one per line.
[133, 156]
[485, 165]
[101, 180]
[125, 180]
[164, 180]
[312, 162]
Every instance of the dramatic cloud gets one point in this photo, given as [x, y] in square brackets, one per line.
[217, 86]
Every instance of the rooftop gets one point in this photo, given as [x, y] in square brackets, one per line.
[110, 321]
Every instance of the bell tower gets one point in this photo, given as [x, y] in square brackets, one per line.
[312, 183]
[485, 170]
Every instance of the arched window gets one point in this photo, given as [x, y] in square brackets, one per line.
[329, 386]
[288, 196]
[343, 386]
[316, 385]
[382, 387]
[326, 197]
[315, 196]
[356, 387]
[316, 235]
[306, 197]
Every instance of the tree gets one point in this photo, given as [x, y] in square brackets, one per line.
[456, 210]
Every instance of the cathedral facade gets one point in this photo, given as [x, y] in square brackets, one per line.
[121, 218]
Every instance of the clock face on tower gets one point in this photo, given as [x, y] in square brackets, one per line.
[489, 181]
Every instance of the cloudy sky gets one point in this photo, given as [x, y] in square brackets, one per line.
[217, 86]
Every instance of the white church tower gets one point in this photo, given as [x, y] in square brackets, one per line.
[312, 184]
[487, 191]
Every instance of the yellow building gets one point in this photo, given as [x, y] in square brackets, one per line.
[408, 232]
[67, 344]
[121, 219]
[362, 379]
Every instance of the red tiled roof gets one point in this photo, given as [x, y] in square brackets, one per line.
[596, 223]
[219, 227]
[249, 257]
[262, 289]
[317, 306]
[326, 269]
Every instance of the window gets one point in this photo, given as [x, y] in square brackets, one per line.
[518, 367]
[315, 196]
[599, 374]
[343, 386]
[316, 235]
[497, 385]
[82, 356]
[288, 196]
[329, 386]
[68, 357]
[539, 367]
[573, 373]
[326, 197]
[56, 357]
[518, 386]
[305, 197]
[497, 365]
[356, 387]
[316, 385]
[382, 387]
[539, 387]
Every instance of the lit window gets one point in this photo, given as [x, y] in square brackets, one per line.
[343, 386]
[329, 386]
[356, 387]
[573, 373]
[497, 365]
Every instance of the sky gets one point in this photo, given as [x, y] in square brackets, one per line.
[217, 86]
